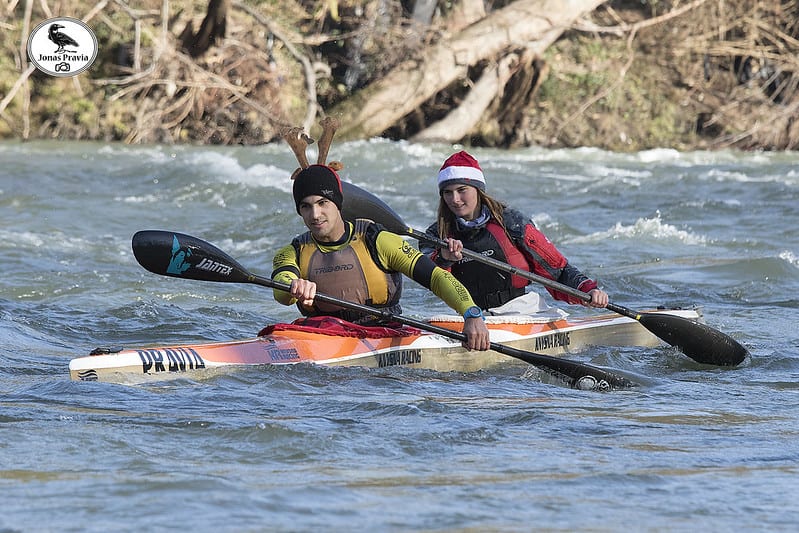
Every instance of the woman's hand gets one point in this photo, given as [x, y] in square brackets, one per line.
[599, 298]
[453, 251]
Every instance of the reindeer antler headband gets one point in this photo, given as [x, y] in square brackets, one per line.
[299, 141]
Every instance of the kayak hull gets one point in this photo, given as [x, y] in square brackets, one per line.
[423, 350]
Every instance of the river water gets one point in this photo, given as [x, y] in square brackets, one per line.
[309, 448]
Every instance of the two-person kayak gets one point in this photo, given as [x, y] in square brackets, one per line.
[338, 343]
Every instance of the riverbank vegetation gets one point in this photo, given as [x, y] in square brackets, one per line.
[621, 75]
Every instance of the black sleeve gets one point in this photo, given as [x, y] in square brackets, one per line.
[423, 271]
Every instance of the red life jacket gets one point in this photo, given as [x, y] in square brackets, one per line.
[526, 249]
[488, 286]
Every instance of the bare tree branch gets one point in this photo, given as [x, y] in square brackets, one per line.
[532, 23]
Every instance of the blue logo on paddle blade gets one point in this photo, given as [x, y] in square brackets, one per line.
[178, 264]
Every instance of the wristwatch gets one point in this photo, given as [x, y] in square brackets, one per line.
[473, 312]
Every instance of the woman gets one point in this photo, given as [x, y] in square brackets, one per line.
[469, 218]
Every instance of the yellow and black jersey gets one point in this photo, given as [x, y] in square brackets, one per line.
[366, 267]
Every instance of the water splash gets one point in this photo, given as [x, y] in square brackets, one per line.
[650, 229]
[790, 257]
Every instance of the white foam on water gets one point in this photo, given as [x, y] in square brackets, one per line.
[646, 229]
[790, 257]
[227, 169]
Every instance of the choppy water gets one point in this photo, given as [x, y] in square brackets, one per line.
[308, 449]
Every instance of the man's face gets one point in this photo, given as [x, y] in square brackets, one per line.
[322, 218]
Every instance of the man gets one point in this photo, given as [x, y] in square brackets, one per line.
[358, 261]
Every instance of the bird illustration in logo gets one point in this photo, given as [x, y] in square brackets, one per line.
[178, 264]
[61, 39]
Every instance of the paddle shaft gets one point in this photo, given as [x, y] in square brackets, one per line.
[183, 256]
[698, 341]
[519, 272]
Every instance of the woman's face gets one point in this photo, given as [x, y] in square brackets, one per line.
[462, 200]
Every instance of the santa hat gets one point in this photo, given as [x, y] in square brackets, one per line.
[318, 180]
[461, 168]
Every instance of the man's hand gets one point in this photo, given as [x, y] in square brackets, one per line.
[476, 332]
[304, 291]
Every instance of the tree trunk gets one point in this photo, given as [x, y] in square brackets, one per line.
[534, 24]
[461, 120]
[423, 11]
[212, 28]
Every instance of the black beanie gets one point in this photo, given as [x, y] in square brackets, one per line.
[318, 180]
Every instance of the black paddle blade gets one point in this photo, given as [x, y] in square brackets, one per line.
[359, 203]
[701, 343]
[182, 256]
[577, 375]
